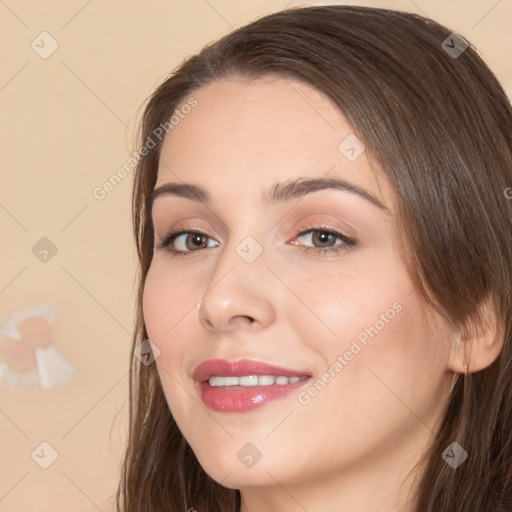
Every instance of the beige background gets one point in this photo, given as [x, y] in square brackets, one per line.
[67, 124]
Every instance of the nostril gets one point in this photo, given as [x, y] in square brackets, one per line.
[242, 319]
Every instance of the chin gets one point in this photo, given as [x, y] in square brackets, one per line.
[233, 474]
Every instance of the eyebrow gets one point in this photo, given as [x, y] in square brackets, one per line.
[280, 192]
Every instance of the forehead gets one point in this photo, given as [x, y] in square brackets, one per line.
[270, 111]
[246, 133]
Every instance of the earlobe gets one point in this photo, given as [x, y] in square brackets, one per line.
[479, 344]
[460, 357]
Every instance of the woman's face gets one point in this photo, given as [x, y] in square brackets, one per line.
[306, 278]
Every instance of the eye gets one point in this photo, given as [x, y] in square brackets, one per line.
[326, 238]
[183, 242]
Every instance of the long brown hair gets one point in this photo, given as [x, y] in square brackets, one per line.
[440, 126]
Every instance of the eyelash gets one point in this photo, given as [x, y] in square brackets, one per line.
[169, 238]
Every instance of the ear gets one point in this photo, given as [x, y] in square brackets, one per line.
[479, 342]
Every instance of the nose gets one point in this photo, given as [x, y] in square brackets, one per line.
[238, 295]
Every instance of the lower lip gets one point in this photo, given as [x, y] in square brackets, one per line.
[244, 398]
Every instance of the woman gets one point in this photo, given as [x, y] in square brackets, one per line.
[342, 335]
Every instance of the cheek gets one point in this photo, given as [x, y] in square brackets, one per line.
[353, 303]
[154, 306]
[392, 364]
[168, 307]
[369, 323]
[165, 303]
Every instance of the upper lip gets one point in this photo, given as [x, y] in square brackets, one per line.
[240, 367]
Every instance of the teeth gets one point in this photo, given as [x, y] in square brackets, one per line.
[252, 380]
[247, 380]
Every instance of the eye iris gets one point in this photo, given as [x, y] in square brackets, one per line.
[198, 240]
[323, 236]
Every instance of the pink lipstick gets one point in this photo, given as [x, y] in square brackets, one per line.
[243, 385]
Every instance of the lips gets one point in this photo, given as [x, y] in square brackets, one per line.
[240, 368]
[238, 398]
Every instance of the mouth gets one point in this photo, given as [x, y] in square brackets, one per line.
[243, 385]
